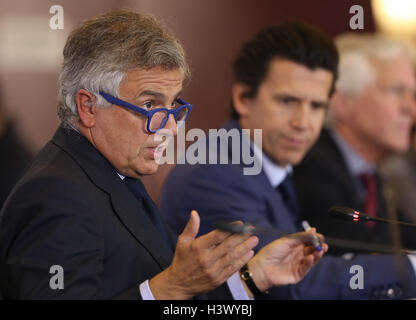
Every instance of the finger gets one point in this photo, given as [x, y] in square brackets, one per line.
[308, 250]
[236, 245]
[306, 237]
[234, 259]
[306, 265]
[215, 237]
[321, 237]
[317, 256]
[295, 239]
[192, 227]
[212, 238]
[237, 264]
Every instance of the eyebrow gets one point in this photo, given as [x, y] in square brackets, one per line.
[297, 99]
[155, 94]
[287, 96]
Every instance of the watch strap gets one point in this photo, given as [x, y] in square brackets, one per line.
[247, 277]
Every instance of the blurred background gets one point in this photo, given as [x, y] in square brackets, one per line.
[211, 32]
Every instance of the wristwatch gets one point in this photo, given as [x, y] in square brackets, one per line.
[247, 276]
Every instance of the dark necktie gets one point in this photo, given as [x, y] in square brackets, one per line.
[288, 193]
[371, 196]
[146, 203]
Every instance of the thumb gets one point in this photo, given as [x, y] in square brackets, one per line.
[192, 227]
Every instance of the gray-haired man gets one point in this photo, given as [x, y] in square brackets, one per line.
[80, 224]
[372, 112]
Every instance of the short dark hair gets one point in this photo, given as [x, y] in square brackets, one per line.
[297, 42]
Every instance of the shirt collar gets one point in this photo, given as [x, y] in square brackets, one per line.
[355, 163]
[276, 174]
[72, 126]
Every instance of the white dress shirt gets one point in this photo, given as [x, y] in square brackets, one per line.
[275, 173]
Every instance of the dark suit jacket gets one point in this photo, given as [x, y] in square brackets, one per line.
[72, 209]
[322, 180]
[221, 191]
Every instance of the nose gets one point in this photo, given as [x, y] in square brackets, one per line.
[408, 103]
[172, 125]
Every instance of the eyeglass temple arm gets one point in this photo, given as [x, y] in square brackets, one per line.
[122, 103]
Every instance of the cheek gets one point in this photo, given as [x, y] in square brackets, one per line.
[131, 145]
[316, 125]
[138, 148]
[272, 130]
[369, 121]
[377, 113]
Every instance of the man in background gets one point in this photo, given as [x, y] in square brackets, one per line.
[283, 79]
[370, 119]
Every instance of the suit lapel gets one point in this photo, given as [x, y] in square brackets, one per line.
[278, 214]
[334, 162]
[104, 176]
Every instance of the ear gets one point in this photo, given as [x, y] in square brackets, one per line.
[86, 108]
[340, 105]
[240, 102]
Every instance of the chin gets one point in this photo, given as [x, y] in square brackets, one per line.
[146, 169]
[149, 171]
[400, 145]
[294, 158]
[401, 149]
[294, 161]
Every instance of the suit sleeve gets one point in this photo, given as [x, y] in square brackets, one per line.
[225, 194]
[216, 195]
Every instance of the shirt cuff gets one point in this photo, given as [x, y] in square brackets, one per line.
[145, 291]
[236, 287]
[234, 284]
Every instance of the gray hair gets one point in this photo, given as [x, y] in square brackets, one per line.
[99, 52]
[356, 71]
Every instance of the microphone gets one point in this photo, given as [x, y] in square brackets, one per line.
[249, 228]
[348, 214]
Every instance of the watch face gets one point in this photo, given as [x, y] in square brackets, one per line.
[246, 275]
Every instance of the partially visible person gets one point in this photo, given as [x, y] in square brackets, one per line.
[283, 79]
[370, 118]
[400, 174]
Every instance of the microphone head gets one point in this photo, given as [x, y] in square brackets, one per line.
[347, 214]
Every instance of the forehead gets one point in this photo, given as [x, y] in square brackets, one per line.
[398, 70]
[290, 77]
[166, 82]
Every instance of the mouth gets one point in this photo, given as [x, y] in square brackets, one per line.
[295, 141]
[156, 152]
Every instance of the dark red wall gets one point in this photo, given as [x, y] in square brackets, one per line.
[211, 32]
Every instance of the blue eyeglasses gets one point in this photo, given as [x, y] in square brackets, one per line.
[156, 118]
